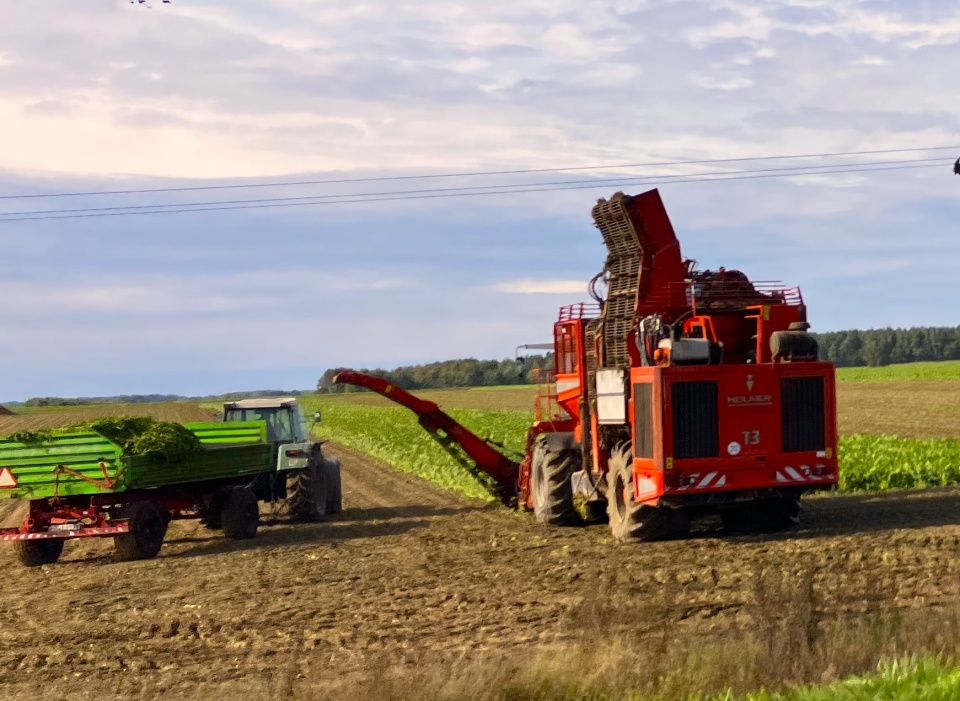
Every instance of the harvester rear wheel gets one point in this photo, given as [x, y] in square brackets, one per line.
[553, 486]
[33, 553]
[306, 491]
[628, 519]
[241, 513]
[148, 528]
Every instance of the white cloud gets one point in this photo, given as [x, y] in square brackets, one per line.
[542, 287]
[290, 86]
[146, 294]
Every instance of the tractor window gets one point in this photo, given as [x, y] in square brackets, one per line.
[283, 426]
[279, 421]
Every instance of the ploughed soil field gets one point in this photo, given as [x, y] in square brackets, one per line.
[48, 418]
[409, 575]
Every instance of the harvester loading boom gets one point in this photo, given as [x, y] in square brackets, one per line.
[466, 447]
[681, 390]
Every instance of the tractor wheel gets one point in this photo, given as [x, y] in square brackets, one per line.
[331, 471]
[148, 528]
[628, 519]
[306, 491]
[241, 513]
[553, 486]
[33, 553]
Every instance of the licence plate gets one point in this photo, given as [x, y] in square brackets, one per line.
[64, 527]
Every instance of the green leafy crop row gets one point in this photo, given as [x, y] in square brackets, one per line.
[887, 462]
[393, 435]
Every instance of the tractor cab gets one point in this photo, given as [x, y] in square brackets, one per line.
[285, 420]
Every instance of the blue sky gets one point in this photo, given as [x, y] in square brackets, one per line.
[109, 95]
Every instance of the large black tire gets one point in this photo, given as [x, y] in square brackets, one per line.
[630, 521]
[306, 491]
[331, 470]
[553, 485]
[148, 528]
[241, 513]
[34, 553]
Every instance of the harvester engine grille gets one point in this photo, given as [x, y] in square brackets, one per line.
[696, 430]
[802, 414]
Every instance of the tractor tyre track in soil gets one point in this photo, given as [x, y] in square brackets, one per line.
[410, 574]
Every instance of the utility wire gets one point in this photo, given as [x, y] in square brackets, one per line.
[341, 181]
[665, 178]
[440, 194]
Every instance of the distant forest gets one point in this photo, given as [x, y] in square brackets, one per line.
[878, 347]
[451, 373]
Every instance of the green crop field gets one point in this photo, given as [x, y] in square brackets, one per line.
[392, 434]
[928, 372]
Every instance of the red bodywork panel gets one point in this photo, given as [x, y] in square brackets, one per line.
[742, 437]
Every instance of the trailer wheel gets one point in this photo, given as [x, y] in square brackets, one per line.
[628, 519]
[148, 528]
[552, 485]
[33, 553]
[306, 491]
[331, 471]
[241, 513]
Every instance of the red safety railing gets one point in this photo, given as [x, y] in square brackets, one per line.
[580, 310]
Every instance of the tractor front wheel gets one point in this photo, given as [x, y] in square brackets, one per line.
[334, 492]
[34, 553]
[632, 521]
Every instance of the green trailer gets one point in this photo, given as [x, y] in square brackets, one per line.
[80, 484]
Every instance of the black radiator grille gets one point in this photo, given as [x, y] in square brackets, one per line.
[695, 427]
[643, 420]
[801, 411]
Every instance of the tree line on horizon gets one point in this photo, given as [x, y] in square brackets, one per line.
[464, 372]
[879, 347]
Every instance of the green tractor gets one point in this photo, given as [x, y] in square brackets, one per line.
[308, 481]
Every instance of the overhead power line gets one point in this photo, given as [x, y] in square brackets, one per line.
[526, 171]
[663, 178]
[435, 194]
